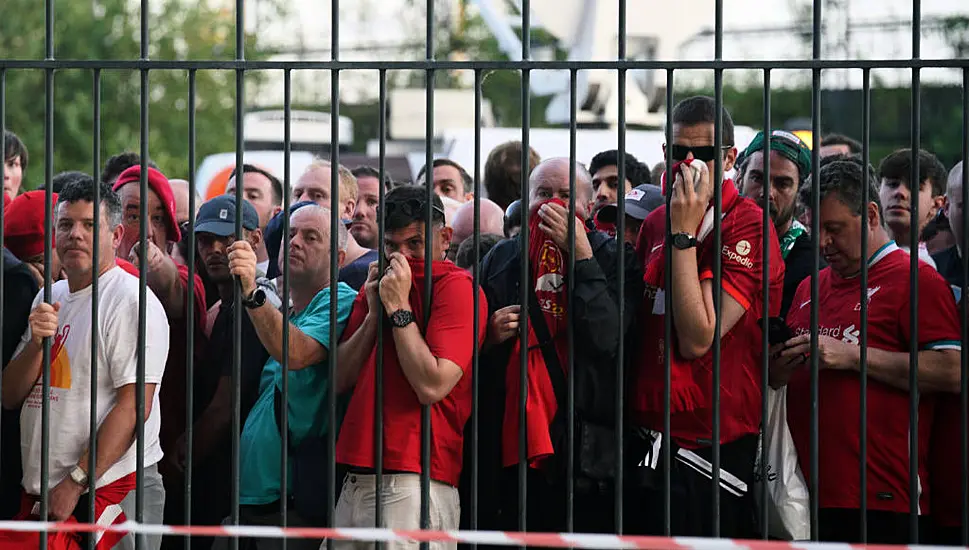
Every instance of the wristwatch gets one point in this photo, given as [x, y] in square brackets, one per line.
[401, 318]
[79, 476]
[682, 241]
[256, 299]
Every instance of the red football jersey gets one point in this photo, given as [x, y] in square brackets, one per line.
[839, 402]
[450, 335]
[742, 263]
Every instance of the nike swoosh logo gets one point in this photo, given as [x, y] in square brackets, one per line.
[804, 304]
[655, 248]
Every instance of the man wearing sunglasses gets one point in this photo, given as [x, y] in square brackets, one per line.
[426, 361]
[691, 243]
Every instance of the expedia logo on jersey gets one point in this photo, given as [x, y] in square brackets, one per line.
[739, 253]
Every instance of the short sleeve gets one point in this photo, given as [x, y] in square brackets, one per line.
[450, 333]
[741, 259]
[358, 314]
[938, 318]
[316, 322]
[120, 338]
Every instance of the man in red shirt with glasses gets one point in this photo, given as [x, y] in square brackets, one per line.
[691, 240]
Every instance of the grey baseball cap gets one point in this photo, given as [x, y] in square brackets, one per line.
[640, 201]
[218, 216]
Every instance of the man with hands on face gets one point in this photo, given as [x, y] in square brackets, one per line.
[843, 218]
[424, 363]
[67, 321]
[169, 281]
[691, 243]
[594, 309]
[260, 457]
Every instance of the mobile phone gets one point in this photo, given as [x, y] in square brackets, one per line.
[779, 332]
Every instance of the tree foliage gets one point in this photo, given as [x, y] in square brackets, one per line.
[110, 30]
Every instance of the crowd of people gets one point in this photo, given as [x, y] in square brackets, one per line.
[379, 294]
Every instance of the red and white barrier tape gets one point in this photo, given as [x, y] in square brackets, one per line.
[498, 538]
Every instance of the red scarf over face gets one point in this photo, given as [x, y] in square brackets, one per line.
[548, 268]
[686, 394]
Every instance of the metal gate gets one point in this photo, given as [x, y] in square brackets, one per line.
[431, 64]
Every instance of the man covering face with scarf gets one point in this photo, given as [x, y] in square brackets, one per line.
[790, 166]
[594, 308]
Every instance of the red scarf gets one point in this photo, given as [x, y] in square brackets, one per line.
[686, 395]
[439, 268]
[548, 270]
[107, 501]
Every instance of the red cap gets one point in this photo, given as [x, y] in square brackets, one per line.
[159, 184]
[23, 224]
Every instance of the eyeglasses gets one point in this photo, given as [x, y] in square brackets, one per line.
[704, 153]
[411, 208]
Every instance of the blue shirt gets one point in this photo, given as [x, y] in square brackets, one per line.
[260, 446]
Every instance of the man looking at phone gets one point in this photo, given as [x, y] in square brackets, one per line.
[843, 218]
[694, 318]
[790, 165]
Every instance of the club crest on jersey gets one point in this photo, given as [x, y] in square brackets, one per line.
[871, 292]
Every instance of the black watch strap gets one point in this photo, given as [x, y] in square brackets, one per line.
[401, 318]
[682, 241]
[256, 299]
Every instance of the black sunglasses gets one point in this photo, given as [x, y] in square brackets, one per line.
[704, 153]
[411, 208]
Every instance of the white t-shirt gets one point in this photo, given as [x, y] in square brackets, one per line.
[923, 254]
[117, 365]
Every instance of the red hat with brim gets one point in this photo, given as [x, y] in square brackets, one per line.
[23, 224]
[159, 184]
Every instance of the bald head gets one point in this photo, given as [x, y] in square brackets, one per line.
[954, 206]
[550, 180]
[181, 191]
[492, 220]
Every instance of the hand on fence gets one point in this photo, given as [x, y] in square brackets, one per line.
[242, 264]
[43, 321]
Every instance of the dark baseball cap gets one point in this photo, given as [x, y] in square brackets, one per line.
[218, 216]
[640, 201]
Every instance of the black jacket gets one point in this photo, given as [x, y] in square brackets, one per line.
[597, 330]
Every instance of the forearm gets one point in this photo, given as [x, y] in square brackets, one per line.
[937, 371]
[353, 353]
[115, 436]
[20, 375]
[420, 367]
[691, 317]
[268, 322]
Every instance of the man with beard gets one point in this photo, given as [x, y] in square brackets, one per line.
[215, 232]
[790, 166]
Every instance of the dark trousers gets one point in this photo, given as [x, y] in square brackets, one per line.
[691, 497]
[546, 504]
[843, 525]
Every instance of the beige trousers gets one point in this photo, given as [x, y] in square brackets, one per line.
[401, 501]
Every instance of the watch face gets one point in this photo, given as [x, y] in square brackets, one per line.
[682, 240]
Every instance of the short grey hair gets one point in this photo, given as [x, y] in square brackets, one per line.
[343, 236]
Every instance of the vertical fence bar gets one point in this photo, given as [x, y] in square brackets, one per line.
[335, 199]
[863, 357]
[964, 260]
[524, 281]
[237, 307]
[48, 245]
[141, 541]
[476, 286]
[620, 271]
[3, 167]
[425, 516]
[284, 379]
[569, 314]
[95, 287]
[913, 355]
[668, 319]
[815, 245]
[765, 296]
[190, 315]
[378, 431]
[717, 265]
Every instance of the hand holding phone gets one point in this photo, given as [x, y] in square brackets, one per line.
[778, 331]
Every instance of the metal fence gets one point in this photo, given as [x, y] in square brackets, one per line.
[431, 64]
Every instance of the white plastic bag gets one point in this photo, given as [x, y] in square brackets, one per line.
[788, 509]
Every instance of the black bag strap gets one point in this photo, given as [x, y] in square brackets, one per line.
[555, 373]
